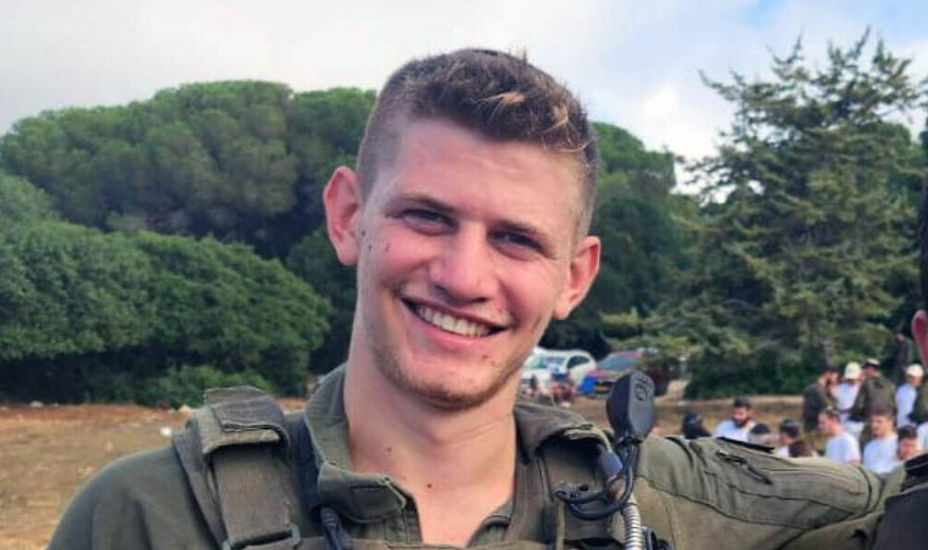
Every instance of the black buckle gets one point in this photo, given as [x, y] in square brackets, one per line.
[257, 542]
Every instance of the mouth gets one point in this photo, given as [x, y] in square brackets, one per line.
[450, 323]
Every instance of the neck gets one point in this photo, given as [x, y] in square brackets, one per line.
[448, 459]
[413, 440]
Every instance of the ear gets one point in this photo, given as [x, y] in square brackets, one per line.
[583, 269]
[342, 200]
[920, 333]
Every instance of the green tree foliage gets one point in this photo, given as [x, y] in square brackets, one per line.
[636, 218]
[240, 161]
[314, 261]
[797, 263]
[80, 308]
[20, 201]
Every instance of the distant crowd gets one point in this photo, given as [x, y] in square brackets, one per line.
[855, 417]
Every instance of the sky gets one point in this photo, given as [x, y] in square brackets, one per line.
[634, 64]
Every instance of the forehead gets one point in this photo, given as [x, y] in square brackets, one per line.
[435, 156]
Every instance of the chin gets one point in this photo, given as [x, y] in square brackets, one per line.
[449, 392]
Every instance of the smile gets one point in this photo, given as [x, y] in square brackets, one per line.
[450, 323]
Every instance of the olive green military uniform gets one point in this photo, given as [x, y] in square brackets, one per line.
[876, 392]
[703, 494]
[814, 400]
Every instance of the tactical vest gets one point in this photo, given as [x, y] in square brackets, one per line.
[253, 474]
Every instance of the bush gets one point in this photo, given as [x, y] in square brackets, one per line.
[185, 386]
[86, 315]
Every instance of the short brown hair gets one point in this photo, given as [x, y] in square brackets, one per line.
[498, 95]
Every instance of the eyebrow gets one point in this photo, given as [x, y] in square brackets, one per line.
[545, 243]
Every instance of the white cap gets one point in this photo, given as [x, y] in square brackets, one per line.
[914, 370]
[852, 371]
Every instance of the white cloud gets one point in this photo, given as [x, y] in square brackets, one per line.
[661, 104]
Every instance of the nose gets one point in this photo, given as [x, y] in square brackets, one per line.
[463, 272]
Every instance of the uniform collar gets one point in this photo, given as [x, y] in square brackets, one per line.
[367, 498]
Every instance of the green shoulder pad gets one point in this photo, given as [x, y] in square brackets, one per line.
[238, 416]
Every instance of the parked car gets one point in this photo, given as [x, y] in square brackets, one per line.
[547, 365]
[598, 383]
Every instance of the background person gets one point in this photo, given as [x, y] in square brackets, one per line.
[880, 452]
[789, 432]
[908, 446]
[692, 426]
[800, 449]
[845, 396]
[740, 423]
[876, 392]
[817, 397]
[906, 395]
[841, 446]
[762, 435]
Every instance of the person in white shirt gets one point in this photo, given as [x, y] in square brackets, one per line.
[841, 446]
[880, 452]
[740, 423]
[846, 394]
[789, 432]
[906, 394]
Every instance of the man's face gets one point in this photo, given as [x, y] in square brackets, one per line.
[881, 425]
[740, 415]
[870, 372]
[913, 381]
[784, 439]
[465, 248]
[827, 425]
[831, 377]
[907, 448]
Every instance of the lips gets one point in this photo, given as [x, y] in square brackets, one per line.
[450, 323]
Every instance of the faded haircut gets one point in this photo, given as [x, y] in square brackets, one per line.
[497, 95]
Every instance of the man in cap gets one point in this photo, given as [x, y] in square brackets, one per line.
[876, 392]
[906, 395]
[845, 396]
[817, 396]
[467, 219]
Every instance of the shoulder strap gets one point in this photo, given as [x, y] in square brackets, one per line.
[235, 453]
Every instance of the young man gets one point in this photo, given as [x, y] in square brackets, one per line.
[737, 427]
[467, 221]
[817, 397]
[908, 444]
[906, 394]
[841, 446]
[790, 431]
[880, 453]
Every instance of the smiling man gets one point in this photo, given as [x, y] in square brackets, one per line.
[467, 218]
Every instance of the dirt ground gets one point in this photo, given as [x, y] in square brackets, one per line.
[48, 453]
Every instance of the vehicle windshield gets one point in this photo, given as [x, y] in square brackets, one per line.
[545, 362]
[620, 360]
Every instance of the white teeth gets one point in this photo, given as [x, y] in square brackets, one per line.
[451, 323]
